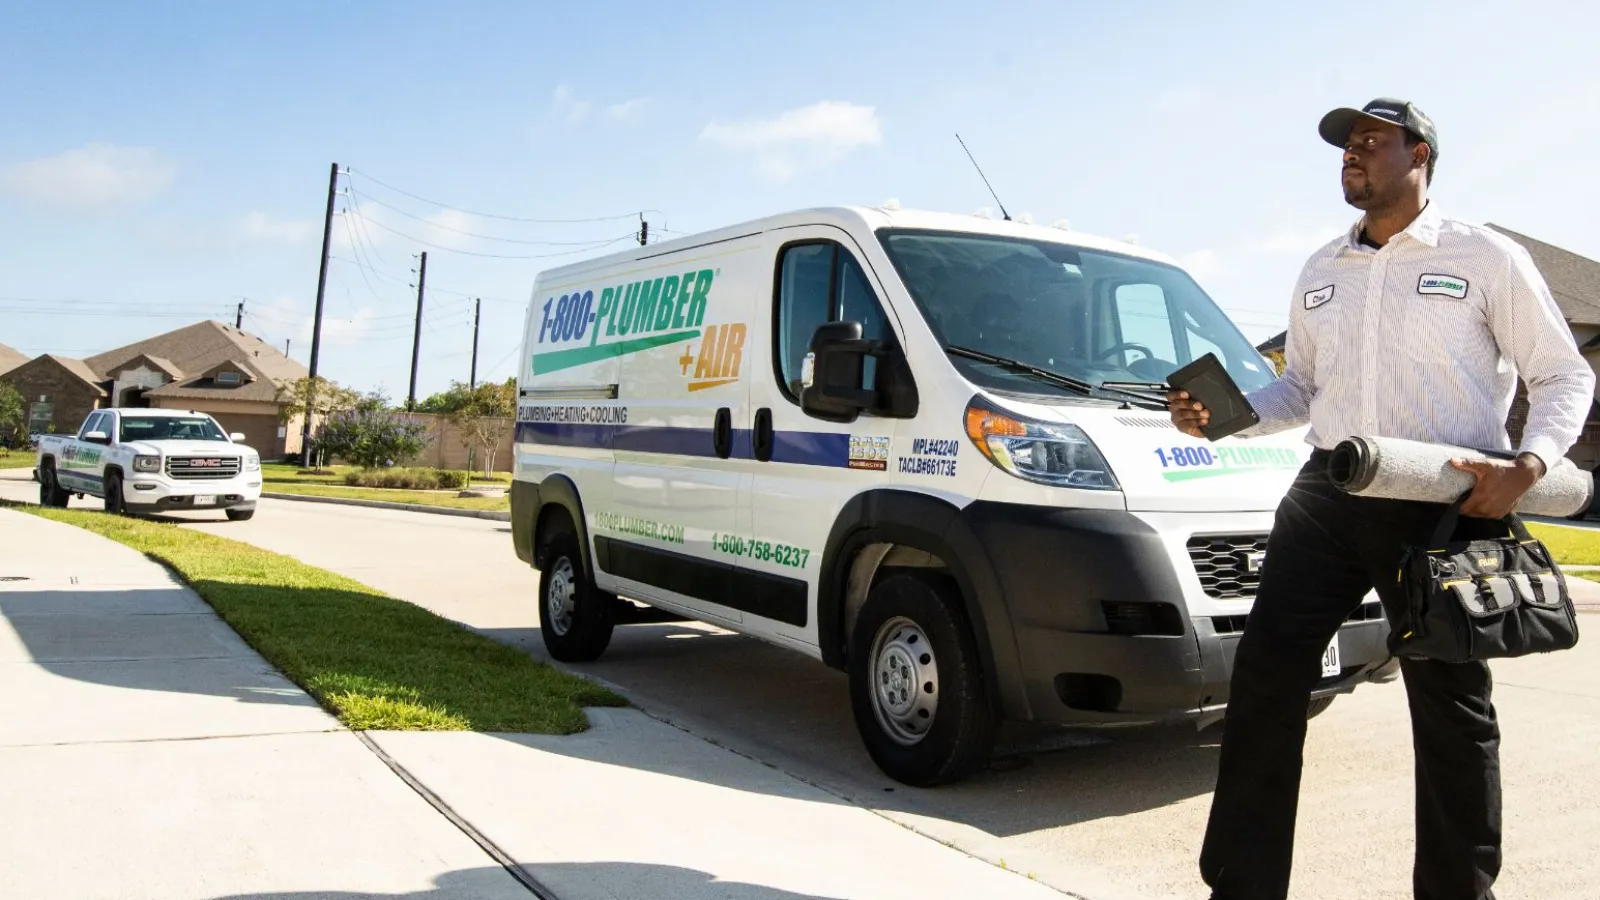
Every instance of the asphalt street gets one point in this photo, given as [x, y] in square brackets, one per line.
[1127, 806]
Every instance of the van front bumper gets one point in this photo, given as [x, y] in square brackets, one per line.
[1111, 624]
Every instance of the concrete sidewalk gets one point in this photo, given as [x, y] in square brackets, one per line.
[147, 752]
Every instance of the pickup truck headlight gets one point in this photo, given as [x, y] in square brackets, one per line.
[147, 463]
[252, 463]
[1044, 452]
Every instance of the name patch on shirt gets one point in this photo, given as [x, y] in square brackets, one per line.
[1315, 299]
[1443, 285]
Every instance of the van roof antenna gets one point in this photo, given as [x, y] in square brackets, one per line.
[985, 179]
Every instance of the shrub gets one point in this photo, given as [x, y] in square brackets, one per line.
[406, 479]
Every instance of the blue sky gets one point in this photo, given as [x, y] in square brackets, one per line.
[159, 162]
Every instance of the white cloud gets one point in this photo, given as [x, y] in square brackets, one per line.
[564, 103]
[1295, 241]
[627, 109]
[1202, 264]
[802, 138]
[259, 227]
[93, 177]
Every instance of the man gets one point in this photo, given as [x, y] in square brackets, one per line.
[1411, 325]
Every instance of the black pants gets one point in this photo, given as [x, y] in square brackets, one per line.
[1327, 549]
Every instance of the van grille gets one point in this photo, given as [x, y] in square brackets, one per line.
[1224, 625]
[1223, 564]
[202, 468]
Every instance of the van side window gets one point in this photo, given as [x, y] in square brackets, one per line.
[821, 282]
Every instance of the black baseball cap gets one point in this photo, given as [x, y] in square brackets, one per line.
[1335, 126]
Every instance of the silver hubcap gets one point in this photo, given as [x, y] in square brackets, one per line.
[559, 598]
[905, 681]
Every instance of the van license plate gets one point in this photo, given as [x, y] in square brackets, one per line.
[205, 500]
[1330, 659]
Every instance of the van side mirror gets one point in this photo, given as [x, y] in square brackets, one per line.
[830, 383]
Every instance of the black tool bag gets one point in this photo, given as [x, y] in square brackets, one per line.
[1481, 599]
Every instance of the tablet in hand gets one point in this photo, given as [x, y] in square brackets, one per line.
[1207, 381]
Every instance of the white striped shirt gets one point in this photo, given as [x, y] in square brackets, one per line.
[1424, 339]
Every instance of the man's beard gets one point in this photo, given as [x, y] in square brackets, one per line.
[1360, 196]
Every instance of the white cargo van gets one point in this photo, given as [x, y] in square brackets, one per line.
[931, 450]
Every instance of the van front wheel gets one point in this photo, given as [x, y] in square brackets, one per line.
[575, 620]
[916, 683]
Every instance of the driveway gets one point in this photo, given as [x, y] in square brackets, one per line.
[1127, 806]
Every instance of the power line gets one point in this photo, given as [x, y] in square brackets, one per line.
[486, 237]
[598, 245]
[485, 215]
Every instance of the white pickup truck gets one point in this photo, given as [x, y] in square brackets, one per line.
[151, 460]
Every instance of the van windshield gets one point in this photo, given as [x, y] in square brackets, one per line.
[166, 428]
[1099, 317]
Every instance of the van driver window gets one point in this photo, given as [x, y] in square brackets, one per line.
[820, 283]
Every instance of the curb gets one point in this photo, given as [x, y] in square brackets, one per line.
[490, 514]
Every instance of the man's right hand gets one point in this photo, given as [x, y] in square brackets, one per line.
[1187, 414]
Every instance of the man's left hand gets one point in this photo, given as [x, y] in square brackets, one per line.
[1501, 484]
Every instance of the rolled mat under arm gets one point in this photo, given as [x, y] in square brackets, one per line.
[1413, 470]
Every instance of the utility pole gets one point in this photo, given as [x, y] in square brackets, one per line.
[477, 307]
[238, 317]
[644, 232]
[285, 346]
[316, 322]
[416, 332]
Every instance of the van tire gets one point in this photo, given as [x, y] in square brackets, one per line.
[575, 619]
[904, 612]
[50, 491]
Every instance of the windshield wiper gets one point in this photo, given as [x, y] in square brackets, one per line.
[1067, 381]
[1157, 390]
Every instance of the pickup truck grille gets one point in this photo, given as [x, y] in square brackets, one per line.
[1228, 565]
[202, 468]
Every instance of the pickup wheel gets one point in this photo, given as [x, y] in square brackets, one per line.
[574, 618]
[916, 682]
[240, 515]
[114, 502]
[50, 491]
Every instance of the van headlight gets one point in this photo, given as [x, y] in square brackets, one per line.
[1043, 452]
[147, 463]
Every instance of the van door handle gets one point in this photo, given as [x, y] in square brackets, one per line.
[763, 437]
[722, 433]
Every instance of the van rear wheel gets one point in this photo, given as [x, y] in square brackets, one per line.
[575, 620]
[916, 682]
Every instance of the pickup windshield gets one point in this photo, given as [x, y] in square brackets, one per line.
[168, 428]
[1095, 316]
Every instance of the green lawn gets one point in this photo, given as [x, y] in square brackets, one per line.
[18, 459]
[1570, 546]
[279, 473]
[423, 498]
[373, 661]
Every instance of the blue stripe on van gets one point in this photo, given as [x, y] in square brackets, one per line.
[806, 448]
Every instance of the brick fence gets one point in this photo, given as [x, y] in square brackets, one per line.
[445, 449]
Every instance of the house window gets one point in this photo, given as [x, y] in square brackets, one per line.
[41, 416]
[228, 378]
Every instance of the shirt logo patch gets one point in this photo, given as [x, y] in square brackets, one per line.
[1443, 285]
[1315, 299]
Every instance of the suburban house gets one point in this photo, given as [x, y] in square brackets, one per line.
[208, 367]
[1575, 283]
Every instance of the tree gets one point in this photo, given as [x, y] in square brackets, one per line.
[371, 434]
[446, 402]
[329, 398]
[12, 413]
[488, 413]
[1276, 357]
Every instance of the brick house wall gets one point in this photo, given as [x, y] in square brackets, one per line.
[68, 398]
